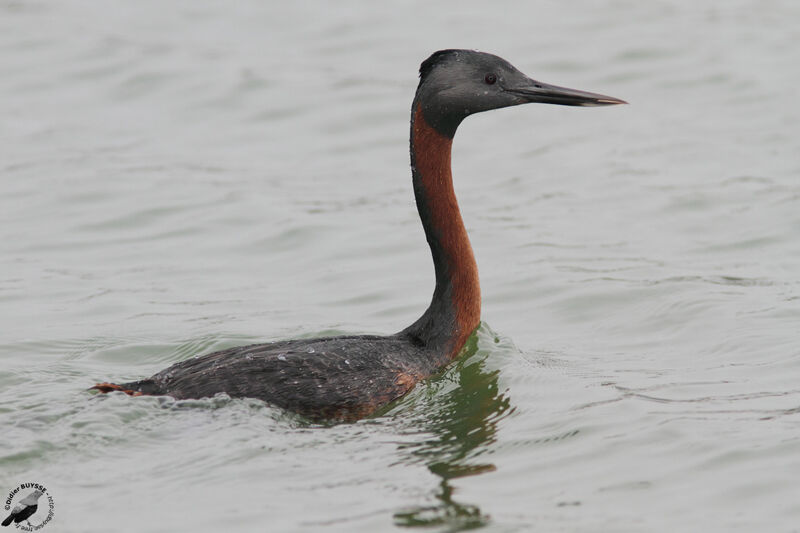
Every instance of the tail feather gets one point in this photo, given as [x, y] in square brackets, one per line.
[8, 520]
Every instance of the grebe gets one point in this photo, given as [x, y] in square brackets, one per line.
[350, 377]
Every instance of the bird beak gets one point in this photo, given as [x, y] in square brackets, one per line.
[535, 91]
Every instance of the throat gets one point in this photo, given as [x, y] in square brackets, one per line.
[455, 308]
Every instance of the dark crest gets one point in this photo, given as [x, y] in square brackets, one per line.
[435, 59]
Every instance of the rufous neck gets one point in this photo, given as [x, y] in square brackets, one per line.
[454, 312]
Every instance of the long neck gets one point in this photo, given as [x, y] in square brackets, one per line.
[455, 309]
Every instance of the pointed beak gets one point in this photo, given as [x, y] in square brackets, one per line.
[535, 91]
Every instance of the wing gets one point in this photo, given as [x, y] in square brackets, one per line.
[337, 377]
[26, 513]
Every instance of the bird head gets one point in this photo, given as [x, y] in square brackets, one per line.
[457, 83]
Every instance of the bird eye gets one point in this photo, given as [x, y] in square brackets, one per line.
[490, 79]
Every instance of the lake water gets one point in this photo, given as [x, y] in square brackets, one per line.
[179, 178]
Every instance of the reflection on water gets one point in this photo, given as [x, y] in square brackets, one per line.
[460, 428]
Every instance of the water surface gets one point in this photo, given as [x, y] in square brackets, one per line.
[180, 179]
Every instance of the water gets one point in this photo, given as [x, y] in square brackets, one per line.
[176, 179]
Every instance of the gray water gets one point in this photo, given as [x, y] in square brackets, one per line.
[181, 177]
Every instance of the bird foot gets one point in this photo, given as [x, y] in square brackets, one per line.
[108, 387]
